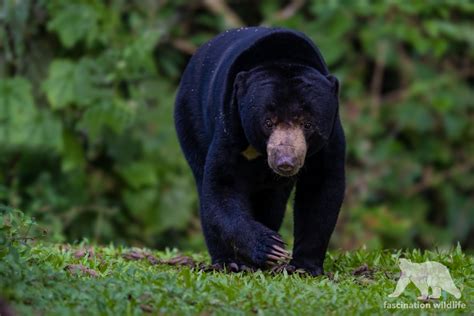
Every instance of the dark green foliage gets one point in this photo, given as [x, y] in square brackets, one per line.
[86, 97]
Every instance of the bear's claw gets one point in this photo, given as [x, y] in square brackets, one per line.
[278, 238]
[282, 252]
[277, 254]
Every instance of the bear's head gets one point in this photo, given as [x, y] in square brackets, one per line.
[287, 112]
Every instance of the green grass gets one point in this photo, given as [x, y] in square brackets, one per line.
[37, 279]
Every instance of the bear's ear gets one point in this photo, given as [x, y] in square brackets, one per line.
[240, 83]
[335, 83]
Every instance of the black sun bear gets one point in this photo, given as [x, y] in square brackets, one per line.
[257, 114]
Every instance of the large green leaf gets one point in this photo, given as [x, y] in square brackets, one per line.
[75, 22]
[139, 174]
[73, 156]
[21, 123]
[60, 85]
[70, 83]
[15, 93]
[114, 114]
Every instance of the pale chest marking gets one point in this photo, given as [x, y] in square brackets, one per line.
[250, 153]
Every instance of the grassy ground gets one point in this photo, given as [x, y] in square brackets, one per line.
[62, 280]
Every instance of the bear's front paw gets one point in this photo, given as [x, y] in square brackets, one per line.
[264, 248]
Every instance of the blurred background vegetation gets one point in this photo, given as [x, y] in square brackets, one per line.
[89, 149]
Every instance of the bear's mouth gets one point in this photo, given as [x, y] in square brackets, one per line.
[286, 150]
[286, 173]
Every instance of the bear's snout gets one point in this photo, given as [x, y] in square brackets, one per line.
[286, 150]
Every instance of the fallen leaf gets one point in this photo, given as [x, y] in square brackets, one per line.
[363, 269]
[134, 255]
[79, 269]
[180, 261]
[146, 308]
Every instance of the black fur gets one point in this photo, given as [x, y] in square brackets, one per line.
[230, 86]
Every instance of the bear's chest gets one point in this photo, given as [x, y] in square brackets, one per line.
[255, 175]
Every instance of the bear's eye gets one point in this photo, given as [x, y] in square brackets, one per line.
[307, 125]
[268, 123]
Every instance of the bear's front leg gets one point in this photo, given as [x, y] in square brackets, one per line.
[229, 228]
[319, 194]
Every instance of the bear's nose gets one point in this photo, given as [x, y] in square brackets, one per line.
[286, 165]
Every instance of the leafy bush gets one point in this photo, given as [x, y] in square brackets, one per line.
[86, 98]
[16, 229]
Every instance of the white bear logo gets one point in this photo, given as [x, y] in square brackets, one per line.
[425, 275]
